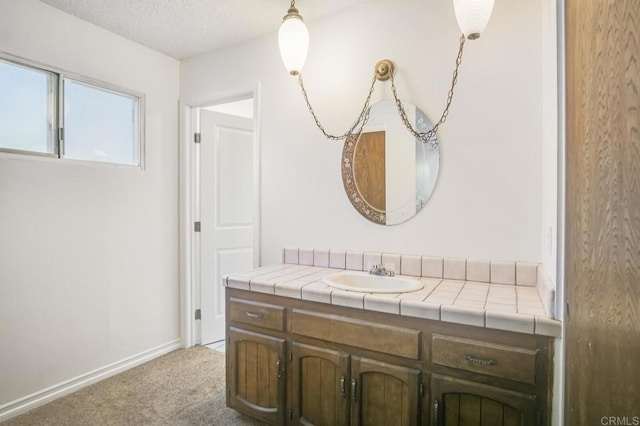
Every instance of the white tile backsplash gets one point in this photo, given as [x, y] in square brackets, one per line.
[503, 272]
[526, 273]
[432, 266]
[337, 259]
[371, 259]
[291, 256]
[391, 261]
[479, 270]
[455, 268]
[321, 258]
[305, 256]
[411, 265]
[355, 260]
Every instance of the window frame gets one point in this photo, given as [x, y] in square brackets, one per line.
[59, 75]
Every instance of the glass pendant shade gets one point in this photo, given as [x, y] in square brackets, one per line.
[473, 16]
[293, 39]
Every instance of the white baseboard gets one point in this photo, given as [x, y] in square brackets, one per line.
[36, 399]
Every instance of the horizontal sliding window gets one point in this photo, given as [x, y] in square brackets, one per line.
[49, 112]
[99, 124]
[27, 109]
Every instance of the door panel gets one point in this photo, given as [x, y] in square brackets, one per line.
[319, 386]
[256, 375]
[227, 208]
[384, 394]
[458, 402]
[602, 257]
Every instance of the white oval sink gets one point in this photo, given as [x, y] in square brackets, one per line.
[367, 283]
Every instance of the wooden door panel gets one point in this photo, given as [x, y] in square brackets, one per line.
[458, 402]
[255, 375]
[319, 386]
[384, 394]
[602, 256]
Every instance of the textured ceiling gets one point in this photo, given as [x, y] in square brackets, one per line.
[185, 28]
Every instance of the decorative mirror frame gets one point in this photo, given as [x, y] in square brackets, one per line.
[348, 172]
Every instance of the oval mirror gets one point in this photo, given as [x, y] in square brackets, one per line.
[388, 173]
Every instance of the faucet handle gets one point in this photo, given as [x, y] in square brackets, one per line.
[389, 269]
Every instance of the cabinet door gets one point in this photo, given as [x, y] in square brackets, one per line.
[319, 386]
[460, 402]
[256, 375]
[384, 394]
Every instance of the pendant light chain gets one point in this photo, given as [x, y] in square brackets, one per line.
[430, 136]
[355, 130]
[357, 127]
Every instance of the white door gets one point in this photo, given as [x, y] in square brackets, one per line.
[226, 211]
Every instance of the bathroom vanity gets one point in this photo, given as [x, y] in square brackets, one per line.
[302, 352]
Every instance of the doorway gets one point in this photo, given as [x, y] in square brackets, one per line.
[225, 206]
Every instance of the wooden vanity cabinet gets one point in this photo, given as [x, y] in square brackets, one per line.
[331, 387]
[294, 362]
[489, 379]
[458, 402]
[384, 394]
[256, 359]
[319, 386]
[256, 380]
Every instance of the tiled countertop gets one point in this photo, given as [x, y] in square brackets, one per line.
[496, 306]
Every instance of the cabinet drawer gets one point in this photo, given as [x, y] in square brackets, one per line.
[507, 362]
[383, 338]
[256, 313]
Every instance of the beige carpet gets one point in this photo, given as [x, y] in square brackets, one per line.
[184, 387]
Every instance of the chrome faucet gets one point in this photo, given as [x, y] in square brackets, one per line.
[381, 270]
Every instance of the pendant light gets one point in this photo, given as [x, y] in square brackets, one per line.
[293, 39]
[472, 16]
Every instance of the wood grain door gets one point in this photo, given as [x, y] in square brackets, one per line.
[457, 402]
[602, 258]
[384, 394]
[256, 373]
[319, 386]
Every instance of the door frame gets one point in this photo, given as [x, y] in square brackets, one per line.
[189, 251]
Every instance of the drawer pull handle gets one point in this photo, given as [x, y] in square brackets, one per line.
[253, 315]
[475, 360]
[280, 371]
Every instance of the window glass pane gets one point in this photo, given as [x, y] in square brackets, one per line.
[27, 105]
[100, 125]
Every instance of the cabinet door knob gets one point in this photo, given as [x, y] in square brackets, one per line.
[436, 406]
[280, 372]
[343, 390]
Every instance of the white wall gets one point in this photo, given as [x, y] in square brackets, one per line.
[88, 253]
[549, 138]
[487, 202]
